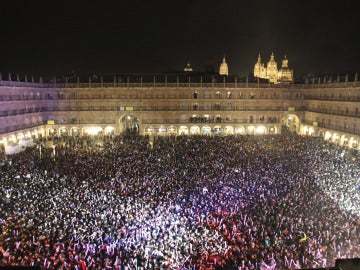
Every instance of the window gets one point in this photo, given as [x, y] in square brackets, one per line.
[183, 106]
[217, 106]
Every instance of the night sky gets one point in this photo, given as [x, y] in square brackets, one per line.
[51, 38]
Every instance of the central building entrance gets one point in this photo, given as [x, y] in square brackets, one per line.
[129, 124]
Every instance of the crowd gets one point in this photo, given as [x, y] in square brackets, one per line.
[186, 202]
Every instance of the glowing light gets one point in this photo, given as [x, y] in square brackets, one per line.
[251, 129]
[93, 130]
[171, 129]
[328, 135]
[311, 130]
[240, 130]
[260, 130]
[162, 129]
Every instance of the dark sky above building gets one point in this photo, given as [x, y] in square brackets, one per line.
[154, 36]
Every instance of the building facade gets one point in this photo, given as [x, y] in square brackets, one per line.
[174, 106]
[271, 71]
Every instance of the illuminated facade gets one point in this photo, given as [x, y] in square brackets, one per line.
[224, 69]
[168, 105]
[271, 72]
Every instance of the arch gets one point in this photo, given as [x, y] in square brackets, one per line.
[250, 130]
[52, 131]
[272, 130]
[206, 130]
[129, 124]
[353, 143]
[93, 130]
[335, 138]
[34, 134]
[149, 130]
[109, 130]
[3, 143]
[183, 130]
[260, 130]
[75, 131]
[194, 130]
[311, 131]
[41, 132]
[344, 140]
[328, 135]
[240, 130]
[20, 135]
[63, 131]
[291, 122]
[12, 139]
[229, 130]
[161, 130]
[217, 130]
[28, 134]
[172, 130]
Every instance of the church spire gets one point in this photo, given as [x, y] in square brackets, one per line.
[224, 69]
[259, 58]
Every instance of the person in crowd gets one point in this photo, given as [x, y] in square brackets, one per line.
[181, 202]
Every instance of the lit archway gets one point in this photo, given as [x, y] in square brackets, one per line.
[194, 130]
[63, 131]
[34, 134]
[240, 130]
[250, 130]
[217, 130]
[229, 130]
[171, 130]
[28, 134]
[260, 130]
[41, 132]
[109, 130]
[161, 130]
[206, 130]
[149, 130]
[344, 140]
[335, 138]
[291, 122]
[129, 124]
[272, 130]
[353, 143]
[183, 130]
[328, 135]
[52, 131]
[93, 131]
[74, 131]
[311, 131]
[20, 136]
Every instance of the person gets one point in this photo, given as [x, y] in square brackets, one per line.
[194, 202]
